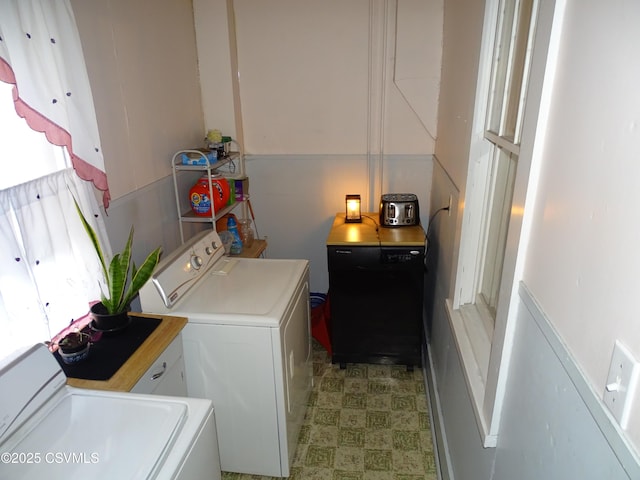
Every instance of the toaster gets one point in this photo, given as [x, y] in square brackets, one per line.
[399, 210]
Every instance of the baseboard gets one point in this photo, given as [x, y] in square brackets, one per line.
[438, 434]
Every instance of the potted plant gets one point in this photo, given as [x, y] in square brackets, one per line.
[74, 347]
[122, 279]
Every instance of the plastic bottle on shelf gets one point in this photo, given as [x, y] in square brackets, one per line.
[236, 245]
[246, 233]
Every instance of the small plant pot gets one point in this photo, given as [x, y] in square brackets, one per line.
[74, 347]
[106, 322]
[75, 357]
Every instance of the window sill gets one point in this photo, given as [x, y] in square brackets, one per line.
[474, 348]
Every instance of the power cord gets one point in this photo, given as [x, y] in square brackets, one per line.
[442, 209]
[427, 249]
[377, 230]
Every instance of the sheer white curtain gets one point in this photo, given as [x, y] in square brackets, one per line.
[48, 270]
[41, 54]
[49, 273]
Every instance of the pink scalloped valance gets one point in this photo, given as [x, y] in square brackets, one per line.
[41, 55]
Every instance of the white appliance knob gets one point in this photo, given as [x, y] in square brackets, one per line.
[214, 244]
[208, 250]
[196, 262]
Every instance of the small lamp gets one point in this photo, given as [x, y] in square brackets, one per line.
[353, 209]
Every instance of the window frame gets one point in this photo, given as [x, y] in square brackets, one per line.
[484, 346]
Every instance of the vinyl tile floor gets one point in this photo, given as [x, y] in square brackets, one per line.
[365, 422]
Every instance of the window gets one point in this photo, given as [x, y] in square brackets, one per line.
[511, 60]
[514, 77]
[505, 104]
[48, 269]
[500, 193]
[27, 153]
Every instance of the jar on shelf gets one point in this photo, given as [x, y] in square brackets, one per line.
[246, 232]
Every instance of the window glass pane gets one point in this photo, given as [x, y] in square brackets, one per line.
[505, 107]
[516, 82]
[25, 154]
[510, 58]
[501, 58]
[502, 182]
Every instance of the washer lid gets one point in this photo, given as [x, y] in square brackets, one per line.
[97, 436]
[254, 292]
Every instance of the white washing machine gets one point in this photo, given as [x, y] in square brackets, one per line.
[247, 346]
[50, 430]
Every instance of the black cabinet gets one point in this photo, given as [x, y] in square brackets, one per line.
[376, 298]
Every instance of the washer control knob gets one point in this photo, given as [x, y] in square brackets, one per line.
[208, 250]
[214, 244]
[196, 262]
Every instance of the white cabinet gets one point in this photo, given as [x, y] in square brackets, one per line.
[166, 376]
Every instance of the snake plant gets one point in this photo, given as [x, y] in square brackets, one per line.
[118, 296]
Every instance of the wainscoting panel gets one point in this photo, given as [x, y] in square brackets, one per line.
[554, 426]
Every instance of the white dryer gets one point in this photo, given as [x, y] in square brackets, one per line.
[247, 346]
[51, 430]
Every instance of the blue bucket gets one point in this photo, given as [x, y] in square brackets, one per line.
[317, 299]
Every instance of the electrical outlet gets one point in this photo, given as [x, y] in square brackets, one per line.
[621, 383]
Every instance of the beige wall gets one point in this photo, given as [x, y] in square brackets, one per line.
[142, 64]
[351, 84]
[315, 78]
[331, 98]
[583, 261]
[324, 77]
[463, 33]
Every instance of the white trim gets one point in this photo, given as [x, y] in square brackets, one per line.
[444, 469]
[472, 245]
[502, 142]
[379, 12]
[548, 31]
[473, 372]
[487, 393]
[479, 173]
[474, 318]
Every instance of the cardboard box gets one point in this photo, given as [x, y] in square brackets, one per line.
[242, 189]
